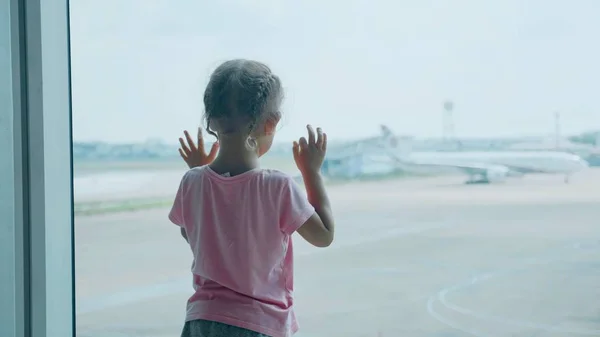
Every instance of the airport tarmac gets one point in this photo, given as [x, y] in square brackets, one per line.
[425, 257]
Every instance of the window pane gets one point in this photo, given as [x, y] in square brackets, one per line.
[8, 244]
[35, 171]
[461, 215]
[49, 160]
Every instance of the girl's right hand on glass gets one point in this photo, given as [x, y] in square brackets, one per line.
[193, 155]
[309, 154]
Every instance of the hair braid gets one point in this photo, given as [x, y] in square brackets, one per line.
[260, 101]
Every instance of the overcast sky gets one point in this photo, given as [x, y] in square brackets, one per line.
[139, 67]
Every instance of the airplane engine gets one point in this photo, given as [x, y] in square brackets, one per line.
[496, 174]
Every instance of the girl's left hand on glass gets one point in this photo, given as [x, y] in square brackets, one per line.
[193, 155]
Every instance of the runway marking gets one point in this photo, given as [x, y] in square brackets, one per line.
[451, 323]
[441, 297]
[507, 321]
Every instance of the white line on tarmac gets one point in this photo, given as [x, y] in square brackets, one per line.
[441, 297]
[451, 323]
[506, 321]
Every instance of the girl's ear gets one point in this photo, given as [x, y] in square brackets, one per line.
[271, 125]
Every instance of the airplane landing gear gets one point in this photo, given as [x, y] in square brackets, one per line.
[480, 181]
[477, 179]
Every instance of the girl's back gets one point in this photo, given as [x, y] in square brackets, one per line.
[239, 229]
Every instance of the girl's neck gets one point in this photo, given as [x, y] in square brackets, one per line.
[234, 160]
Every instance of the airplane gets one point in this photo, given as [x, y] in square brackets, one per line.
[389, 153]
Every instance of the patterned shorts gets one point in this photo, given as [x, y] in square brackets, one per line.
[204, 328]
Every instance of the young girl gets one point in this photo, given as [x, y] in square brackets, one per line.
[238, 218]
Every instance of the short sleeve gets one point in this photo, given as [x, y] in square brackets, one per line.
[295, 208]
[176, 213]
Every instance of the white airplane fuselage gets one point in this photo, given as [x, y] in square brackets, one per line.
[538, 161]
[493, 166]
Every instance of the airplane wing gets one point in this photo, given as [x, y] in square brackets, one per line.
[523, 170]
[512, 169]
[470, 168]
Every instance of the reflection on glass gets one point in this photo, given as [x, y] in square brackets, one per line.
[462, 214]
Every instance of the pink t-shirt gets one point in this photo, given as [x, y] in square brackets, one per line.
[239, 229]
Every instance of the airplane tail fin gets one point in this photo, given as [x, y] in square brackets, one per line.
[386, 131]
[400, 146]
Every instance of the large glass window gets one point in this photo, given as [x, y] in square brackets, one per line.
[471, 213]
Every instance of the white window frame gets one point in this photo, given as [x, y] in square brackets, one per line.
[36, 194]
